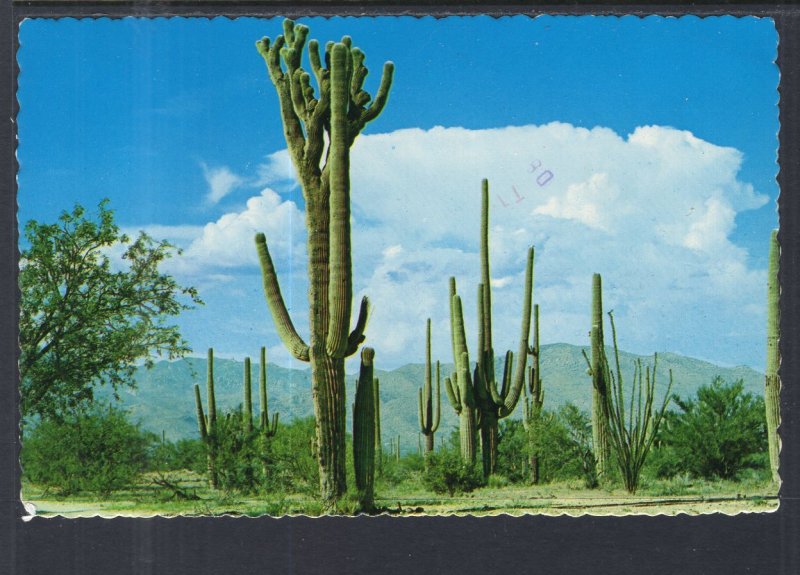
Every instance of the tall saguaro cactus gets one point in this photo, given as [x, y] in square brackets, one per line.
[772, 390]
[207, 423]
[493, 404]
[534, 398]
[378, 443]
[340, 109]
[428, 418]
[600, 441]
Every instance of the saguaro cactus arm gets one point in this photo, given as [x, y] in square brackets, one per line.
[280, 315]
[201, 418]
[356, 337]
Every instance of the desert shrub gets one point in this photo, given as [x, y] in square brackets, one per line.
[290, 462]
[717, 434]
[239, 454]
[97, 450]
[513, 461]
[447, 473]
[187, 454]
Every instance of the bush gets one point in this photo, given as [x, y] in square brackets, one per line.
[289, 458]
[97, 450]
[183, 454]
[513, 461]
[240, 455]
[446, 473]
[716, 435]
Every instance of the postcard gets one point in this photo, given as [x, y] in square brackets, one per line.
[398, 265]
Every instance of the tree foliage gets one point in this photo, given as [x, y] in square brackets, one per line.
[96, 450]
[716, 434]
[86, 319]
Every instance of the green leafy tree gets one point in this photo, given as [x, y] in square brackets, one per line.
[85, 322]
[97, 450]
[715, 435]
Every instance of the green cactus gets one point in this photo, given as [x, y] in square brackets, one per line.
[207, 423]
[491, 404]
[772, 395]
[247, 411]
[364, 431]
[600, 441]
[378, 444]
[428, 419]
[534, 398]
[267, 428]
[632, 434]
[341, 111]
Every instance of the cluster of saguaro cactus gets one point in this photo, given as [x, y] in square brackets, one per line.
[341, 109]
[207, 423]
[480, 392]
[364, 431]
[772, 381]
[534, 398]
[600, 440]
[428, 418]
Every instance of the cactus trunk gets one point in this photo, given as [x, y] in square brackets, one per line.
[207, 423]
[378, 444]
[600, 439]
[341, 111]
[772, 381]
[247, 412]
[364, 432]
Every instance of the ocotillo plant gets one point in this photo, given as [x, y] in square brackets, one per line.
[772, 395]
[632, 434]
[534, 398]
[428, 419]
[378, 444]
[493, 404]
[364, 431]
[207, 423]
[267, 429]
[600, 390]
[340, 110]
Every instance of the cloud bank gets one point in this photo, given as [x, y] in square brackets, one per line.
[652, 211]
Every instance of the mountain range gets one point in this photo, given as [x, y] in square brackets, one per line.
[163, 399]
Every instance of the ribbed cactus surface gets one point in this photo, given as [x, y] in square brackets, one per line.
[491, 402]
[600, 438]
[428, 417]
[334, 115]
[534, 398]
[364, 431]
[772, 390]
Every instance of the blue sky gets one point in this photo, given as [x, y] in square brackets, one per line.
[176, 122]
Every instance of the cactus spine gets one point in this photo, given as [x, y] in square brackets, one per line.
[267, 429]
[341, 110]
[493, 405]
[772, 381]
[364, 431]
[600, 440]
[534, 397]
[207, 423]
[428, 419]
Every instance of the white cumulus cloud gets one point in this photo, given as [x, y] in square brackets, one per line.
[221, 182]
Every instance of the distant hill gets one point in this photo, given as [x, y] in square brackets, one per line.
[164, 397]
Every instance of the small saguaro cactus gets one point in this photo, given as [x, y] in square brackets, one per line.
[335, 115]
[600, 441]
[772, 395]
[247, 409]
[364, 431]
[207, 423]
[378, 444]
[267, 429]
[492, 404]
[428, 419]
[534, 397]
